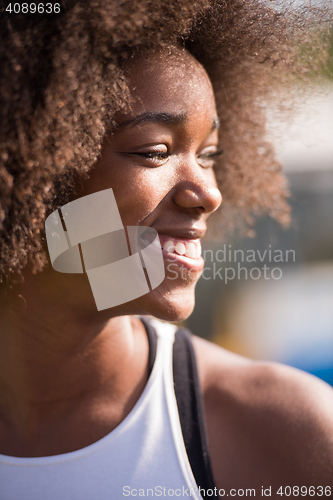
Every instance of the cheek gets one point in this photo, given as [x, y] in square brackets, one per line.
[138, 191]
[140, 196]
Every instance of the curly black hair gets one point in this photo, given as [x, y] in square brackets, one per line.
[62, 82]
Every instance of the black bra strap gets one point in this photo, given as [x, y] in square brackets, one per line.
[152, 340]
[191, 412]
[190, 405]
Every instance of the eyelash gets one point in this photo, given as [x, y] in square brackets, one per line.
[212, 155]
[155, 155]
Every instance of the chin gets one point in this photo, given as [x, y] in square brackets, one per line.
[169, 305]
[173, 300]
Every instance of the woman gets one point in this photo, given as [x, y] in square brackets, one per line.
[88, 407]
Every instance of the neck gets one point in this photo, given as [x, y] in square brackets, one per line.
[57, 359]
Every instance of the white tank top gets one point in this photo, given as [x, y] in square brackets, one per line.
[144, 456]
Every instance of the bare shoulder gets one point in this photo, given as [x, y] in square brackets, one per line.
[261, 382]
[265, 417]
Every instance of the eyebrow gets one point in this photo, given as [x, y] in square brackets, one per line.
[166, 118]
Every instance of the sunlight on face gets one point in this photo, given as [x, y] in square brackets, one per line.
[159, 162]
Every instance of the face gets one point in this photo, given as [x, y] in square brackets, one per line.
[160, 164]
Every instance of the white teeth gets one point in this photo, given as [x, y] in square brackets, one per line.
[198, 250]
[169, 246]
[191, 251]
[180, 248]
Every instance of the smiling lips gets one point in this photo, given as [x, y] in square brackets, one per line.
[190, 248]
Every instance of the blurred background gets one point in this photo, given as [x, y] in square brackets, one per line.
[284, 311]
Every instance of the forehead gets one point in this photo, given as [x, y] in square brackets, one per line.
[170, 81]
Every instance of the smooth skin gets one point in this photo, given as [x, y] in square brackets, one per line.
[70, 374]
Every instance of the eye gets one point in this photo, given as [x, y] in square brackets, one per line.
[154, 155]
[206, 159]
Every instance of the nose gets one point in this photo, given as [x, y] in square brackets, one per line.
[196, 189]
